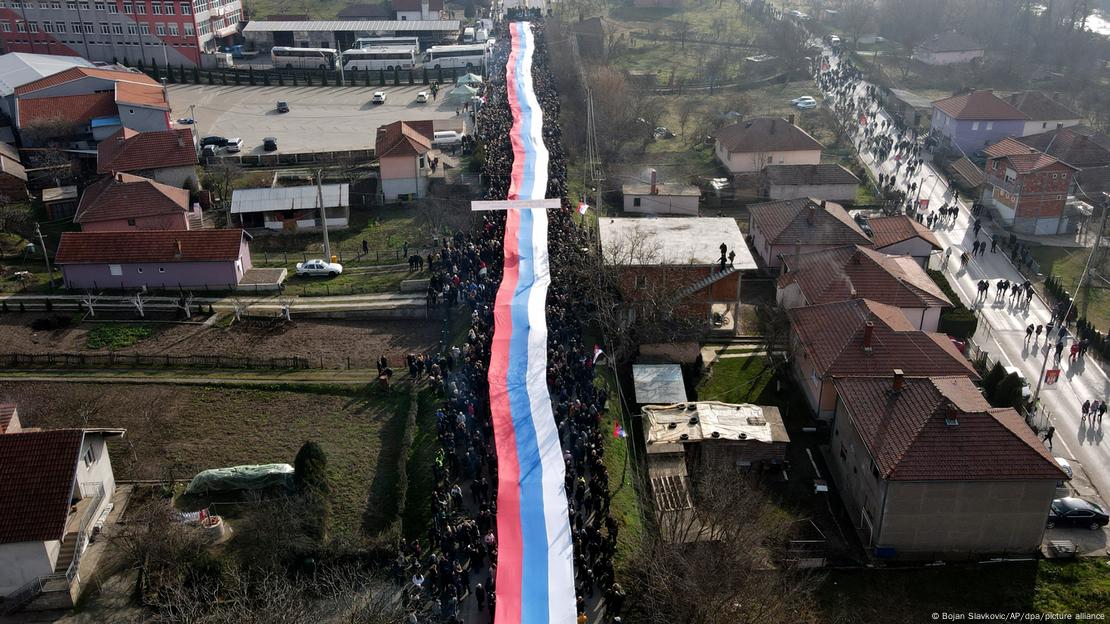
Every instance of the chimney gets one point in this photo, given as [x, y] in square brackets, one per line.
[772, 126]
[868, 335]
[853, 293]
[791, 119]
[950, 416]
[119, 176]
[812, 214]
[822, 204]
[654, 187]
[180, 141]
[425, 11]
[899, 380]
[177, 249]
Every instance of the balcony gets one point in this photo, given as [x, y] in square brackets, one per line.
[1013, 188]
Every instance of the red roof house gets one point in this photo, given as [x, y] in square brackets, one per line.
[900, 235]
[1029, 189]
[863, 338]
[168, 156]
[976, 119]
[124, 201]
[53, 485]
[402, 149]
[155, 259]
[801, 225]
[928, 468]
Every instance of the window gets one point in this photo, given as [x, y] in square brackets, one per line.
[1044, 124]
[89, 28]
[156, 8]
[117, 29]
[55, 4]
[144, 29]
[641, 282]
[112, 8]
[105, 28]
[89, 458]
[132, 29]
[127, 8]
[99, 6]
[115, 269]
[34, 26]
[160, 29]
[186, 8]
[84, 4]
[990, 125]
[140, 7]
[1054, 176]
[974, 125]
[843, 452]
[140, 269]
[59, 27]
[21, 26]
[161, 269]
[189, 29]
[5, 27]
[169, 8]
[1059, 197]
[173, 29]
[636, 201]
[71, 5]
[131, 222]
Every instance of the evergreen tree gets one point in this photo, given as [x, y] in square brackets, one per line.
[366, 75]
[266, 78]
[1008, 392]
[154, 69]
[171, 77]
[412, 76]
[210, 81]
[381, 77]
[396, 76]
[250, 75]
[991, 381]
[324, 77]
[196, 75]
[236, 76]
[310, 477]
[425, 75]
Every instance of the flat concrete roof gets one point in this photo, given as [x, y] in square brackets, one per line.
[667, 424]
[664, 190]
[694, 241]
[658, 383]
[353, 26]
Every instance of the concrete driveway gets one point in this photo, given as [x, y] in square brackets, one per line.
[319, 119]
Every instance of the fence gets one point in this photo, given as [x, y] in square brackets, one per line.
[224, 362]
[252, 76]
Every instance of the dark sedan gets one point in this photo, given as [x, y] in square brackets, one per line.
[1076, 512]
[215, 141]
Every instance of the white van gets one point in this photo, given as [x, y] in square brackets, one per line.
[446, 138]
[468, 35]
[481, 35]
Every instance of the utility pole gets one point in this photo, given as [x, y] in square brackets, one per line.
[1082, 278]
[45, 255]
[323, 213]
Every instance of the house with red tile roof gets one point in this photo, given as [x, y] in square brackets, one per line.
[801, 225]
[1045, 112]
[900, 235]
[855, 272]
[1029, 189]
[167, 156]
[130, 202]
[54, 485]
[154, 259]
[89, 104]
[929, 470]
[863, 338]
[9, 418]
[949, 48]
[402, 148]
[976, 119]
[413, 10]
[750, 145]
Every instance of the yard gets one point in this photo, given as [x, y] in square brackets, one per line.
[624, 477]
[173, 432]
[330, 342]
[1067, 264]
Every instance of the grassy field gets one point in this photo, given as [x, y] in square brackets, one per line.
[736, 380]
[349, 283]
[176, 431]
[882, 596]
[624, 502]
[114, 337]
[1067, 264]
[425, 443]
[385, 231]
[315, 9]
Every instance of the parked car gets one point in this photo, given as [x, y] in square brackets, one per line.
[804, 102]
[663, 132]
[379, 97]
[283, 106]
[446, 138]
[186, 121]
[319, 267]
[1076, 512]
[234, 145]
[215, 141]
[269, 144]
[422, 97]
[1026, 391]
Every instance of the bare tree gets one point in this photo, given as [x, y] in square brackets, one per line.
[910, 23]
[286, 303]
[185, 304]
[438, 216]
[239, 307]
[139, 301]
[856, 18]
[89, 301]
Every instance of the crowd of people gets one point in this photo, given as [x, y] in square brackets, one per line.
[452, 575]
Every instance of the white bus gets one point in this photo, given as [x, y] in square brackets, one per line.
[303, 58]
[381, 57]
[375, 42]
[448, 56]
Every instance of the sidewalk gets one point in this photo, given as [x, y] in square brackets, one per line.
[1001, 330]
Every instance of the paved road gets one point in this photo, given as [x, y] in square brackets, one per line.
[319, 119]
[1002, 334]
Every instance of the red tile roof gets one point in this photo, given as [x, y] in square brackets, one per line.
[832, 334]
[785, 222]
[1008, 147]
[77, 109]
[793, 175]
[886, 231]
[907, 435]
[1078, 146]
[149, 246]
[126, 196]
[7, 412]
[141, 95]
[1038, 106]
[1028, 163]
[845, 272]
[77, 73]
[765, 134]
[404, 138]
[129, 150]
[979, 105]
[37, 470]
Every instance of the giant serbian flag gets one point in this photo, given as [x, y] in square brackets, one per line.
[535, 570]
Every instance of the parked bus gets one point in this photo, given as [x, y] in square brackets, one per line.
[303, 58]
[381, 57]
[373, 42]
[448, 56]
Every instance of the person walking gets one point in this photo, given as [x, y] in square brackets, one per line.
[1028, 333]
[1048, 435]
[1085, 408]
[1101, 411]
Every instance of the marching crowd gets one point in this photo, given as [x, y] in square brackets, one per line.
[451, 576]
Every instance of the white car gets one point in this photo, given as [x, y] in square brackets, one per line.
[319, 267]
[804, 102]
[234, 145]
[379, 97]
[422, 97]
[1065, 465]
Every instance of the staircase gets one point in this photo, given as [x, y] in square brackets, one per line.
[202, 221]
[65, 556]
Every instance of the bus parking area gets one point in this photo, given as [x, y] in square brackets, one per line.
[319, 118]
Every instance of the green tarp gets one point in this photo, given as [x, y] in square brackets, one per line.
[237, 478]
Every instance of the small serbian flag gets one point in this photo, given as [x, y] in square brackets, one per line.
[618, 431]
[863, 120]
[597, 353]
[923, 204]
[583, 207]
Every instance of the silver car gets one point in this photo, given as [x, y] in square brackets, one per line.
[319, 268]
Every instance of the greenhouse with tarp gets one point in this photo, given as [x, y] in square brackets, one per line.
[242, 478]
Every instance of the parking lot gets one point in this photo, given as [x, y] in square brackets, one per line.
[1086, 542]
[319, 119]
